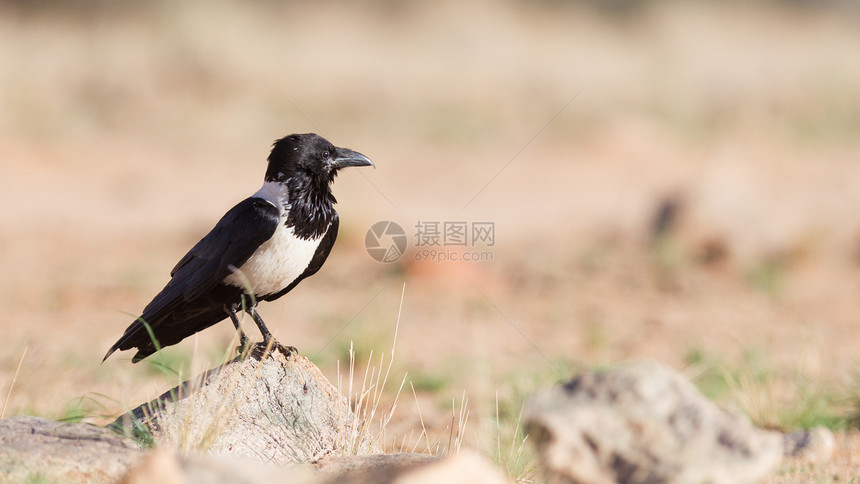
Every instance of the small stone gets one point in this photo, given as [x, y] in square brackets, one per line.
[389, 464]
[160, 466]
[815, 445]
[462, 468]
[408, 468]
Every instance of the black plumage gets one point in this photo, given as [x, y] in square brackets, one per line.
[259, 250]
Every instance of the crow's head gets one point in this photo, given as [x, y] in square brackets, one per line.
[310, 156]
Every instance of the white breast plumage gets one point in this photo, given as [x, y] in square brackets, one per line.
[279, 260]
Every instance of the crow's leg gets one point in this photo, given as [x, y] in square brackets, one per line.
[269, 342]
[267, 336]
[243, 339]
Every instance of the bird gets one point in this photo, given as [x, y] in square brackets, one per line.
[260, 249]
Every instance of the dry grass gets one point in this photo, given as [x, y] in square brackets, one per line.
[124, 137]
[367, 398]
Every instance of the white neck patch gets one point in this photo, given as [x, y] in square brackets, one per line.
[279, 260]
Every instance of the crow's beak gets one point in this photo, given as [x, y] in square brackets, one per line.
[345, 157]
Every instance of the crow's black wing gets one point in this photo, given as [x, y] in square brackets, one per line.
[233, 240]
[320, 255]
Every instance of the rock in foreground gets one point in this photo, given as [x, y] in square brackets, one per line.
[278, 409]
[465, 468]
[35, 449]
[260, 419]
[644, 423]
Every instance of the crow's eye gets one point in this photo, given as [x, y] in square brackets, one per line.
[326, 154]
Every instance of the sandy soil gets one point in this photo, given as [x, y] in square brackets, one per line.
[124, 137]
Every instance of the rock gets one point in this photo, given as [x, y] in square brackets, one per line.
[34, 449]
[463, 468]
[373, 465]
[278, 409]
[644, 423]
[165, 467]
[159, 466]
[815, 445]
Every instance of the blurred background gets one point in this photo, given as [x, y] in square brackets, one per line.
[668, 180]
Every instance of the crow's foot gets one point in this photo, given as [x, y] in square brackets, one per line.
[266, 348]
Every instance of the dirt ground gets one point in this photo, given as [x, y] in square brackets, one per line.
[126, 133]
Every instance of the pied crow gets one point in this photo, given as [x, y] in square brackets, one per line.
[261, 249]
